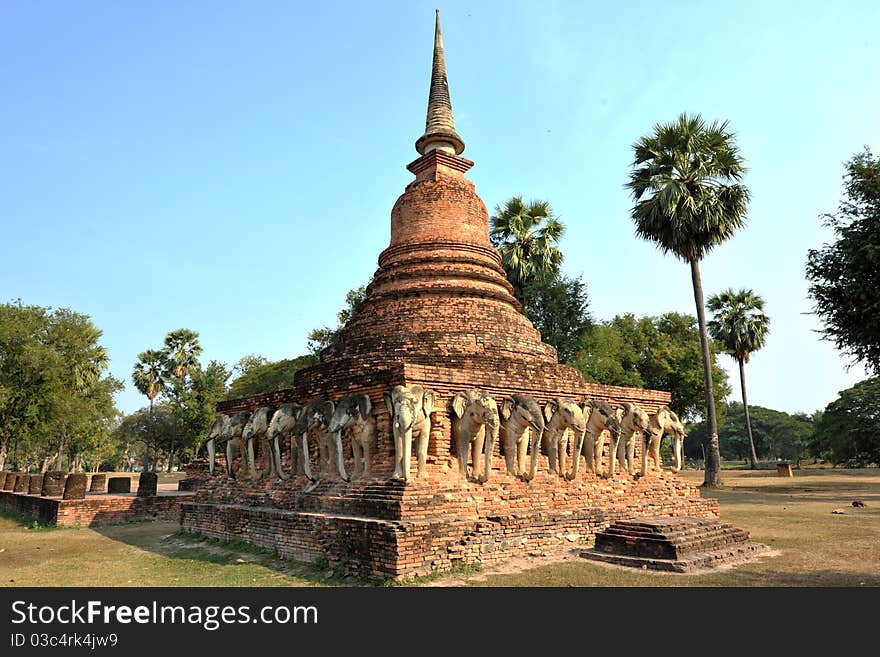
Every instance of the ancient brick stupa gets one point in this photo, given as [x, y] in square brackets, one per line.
[439, 312]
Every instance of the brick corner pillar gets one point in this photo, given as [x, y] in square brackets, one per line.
[9, 481]
[75, 486]
[53, 483]
[3, 475]
[35, 486]
[98, 483]
[148, 484]
[119, 485]
[22, 483]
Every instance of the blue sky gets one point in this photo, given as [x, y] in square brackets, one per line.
[230, 167]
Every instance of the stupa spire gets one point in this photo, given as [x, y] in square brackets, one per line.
[440, 132]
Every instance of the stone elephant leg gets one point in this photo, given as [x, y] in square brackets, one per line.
[407, 452]
[275, 451]
[211, 454]
[522, 444]
[367, 458]
[337, 447]
[477, 452]
[631, 454]
[598, 448]
[535, 439]
[677, 452]
[422, 448]
[250, 460]
[562, 452]
[491, 435]
[304, 445]
[510, 449]
[230, 452]
[462, 442]
[578, 443]
[613, 446]
[622, 446]
[357, 455]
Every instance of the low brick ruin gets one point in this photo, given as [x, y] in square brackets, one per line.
[439, 313]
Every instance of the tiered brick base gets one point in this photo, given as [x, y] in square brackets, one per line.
[94, 510]
[387, 528]
[672, 544]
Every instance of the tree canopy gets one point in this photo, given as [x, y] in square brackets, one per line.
[848, 431]
[268, 376]
[559, 309]
[661, 352]
[326, 337]
[844, 275]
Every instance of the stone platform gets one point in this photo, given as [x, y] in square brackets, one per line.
[680, 544]
[95, 509]
[388, 528]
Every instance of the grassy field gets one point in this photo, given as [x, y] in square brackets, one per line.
[814, 547]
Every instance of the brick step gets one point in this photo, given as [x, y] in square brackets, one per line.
[667, 538]
[681, 540]
[701, 561]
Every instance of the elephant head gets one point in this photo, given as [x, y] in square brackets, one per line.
[352, 418]
[410, 408]
[314, 421]
[662, 422]
[475, 422]
[634, 421]
[561, 414]
[518, 414]
[282, 426]
[233, 439]
[255, 428]
[217, 432]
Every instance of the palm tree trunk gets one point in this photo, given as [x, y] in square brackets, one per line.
[742, 385]
[712, 475]
[152, 444]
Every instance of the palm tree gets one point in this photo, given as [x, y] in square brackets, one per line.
[526, 235]
[150, 378]
[182, 350]
[741, 326]
[688, 200]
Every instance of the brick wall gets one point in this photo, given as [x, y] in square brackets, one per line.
[94, 510]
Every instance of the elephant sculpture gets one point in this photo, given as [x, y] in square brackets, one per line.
[600, 416]
[634, 421]
[352, 419]
[313, 423]
[410, 408]
[217, 433]
[520, 413]
[283, 426]
[255, 429]
[475, 424]
[662, 422]
[560, 415]
[233, 440]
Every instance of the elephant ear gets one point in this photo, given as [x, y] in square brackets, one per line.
[506, 408]
[459, 404]
[389, 401]
[550, 408]
[428, 402]
[327, 409]
[365, 405]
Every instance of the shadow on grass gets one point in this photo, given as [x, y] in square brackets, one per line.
[193, 547]
[28, 521]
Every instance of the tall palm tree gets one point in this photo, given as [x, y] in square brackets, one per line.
[685, 182]
[527, 235]
[182, 350]
[150, 378]
[741, 327]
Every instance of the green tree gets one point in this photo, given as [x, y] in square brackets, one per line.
[848, 431]
[268, 377]
[527, 235]
[150, 377]
[326, 338]
[688, 199]
[844, 276]
[776, 434]
[740, 326]
[559, 310]
[662, 353]
[182, 349]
